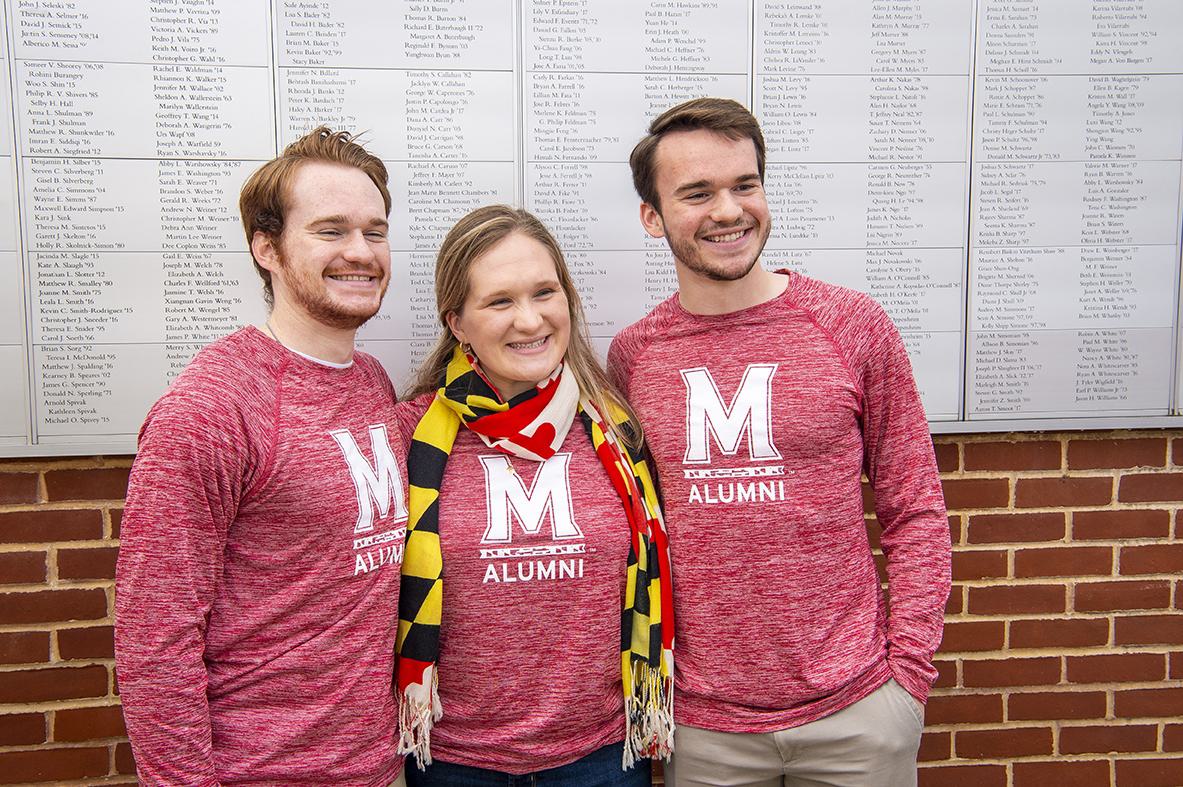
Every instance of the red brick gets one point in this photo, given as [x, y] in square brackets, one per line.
[955, 528]
[1150, 703]
[18, 488]
[1108, 738]
[24, 647]
[1075, 772]
[935, 746]
[956, 602]
[1025, 455]
[54, 683]
[105, 483]
[22, 568]
[963, 776]
[93, 642]
[1150, 773]
[1105, 454]
[124, 761]
[947, 459]
[1112, 596]
[87, 724]
[1114, 525]
[1177, 451]
[39, 527]
[880, 567]
[94, 563]
[1176, 662]
[1055, 705]
[1150, 487]
[996, 673]
[963, 493]
[946, 674]
[1116, 668]
[116, 521]
[1172, 737]
[873, 534]
[1064, 562]
[979, 564]
[1077, 633]
[1017, 599]
[974, 635]
[1010, 742]
[42, 765]
[1152, 559]
[1016, 528]
[1064, 492]
[964, 709]
[45, 606]
[22, 729]
[1149, 630]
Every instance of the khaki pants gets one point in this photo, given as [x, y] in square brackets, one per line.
[872, 743]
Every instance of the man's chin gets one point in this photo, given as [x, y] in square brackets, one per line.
[349, 321]
[333, 315]
[720, 273]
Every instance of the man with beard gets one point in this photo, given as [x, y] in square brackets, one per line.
[764, 396]
[258, 569]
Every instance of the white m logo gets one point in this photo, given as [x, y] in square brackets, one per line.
[505, 492]
[379, 484]
[749, 413]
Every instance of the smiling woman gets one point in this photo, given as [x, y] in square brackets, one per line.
[516, 317]
[515, 664]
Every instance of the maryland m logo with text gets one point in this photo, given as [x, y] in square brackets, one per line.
[748, 415]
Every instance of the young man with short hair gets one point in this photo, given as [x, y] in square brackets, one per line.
[258, 570]
[764, 397]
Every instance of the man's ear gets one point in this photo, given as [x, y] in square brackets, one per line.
[651, 221]
[265, 250]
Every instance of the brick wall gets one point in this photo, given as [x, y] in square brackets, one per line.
[59, 706]
[1062, 662]
[1063, 654]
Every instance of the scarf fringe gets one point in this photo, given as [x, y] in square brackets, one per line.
[648, 715]
[419, 709]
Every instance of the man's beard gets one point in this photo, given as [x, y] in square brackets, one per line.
[321, 307]
[688, 253]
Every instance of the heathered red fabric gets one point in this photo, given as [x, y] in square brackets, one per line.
[779, 615]
[254, 628]
[529, 667]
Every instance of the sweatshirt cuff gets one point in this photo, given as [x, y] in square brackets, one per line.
[915, 678]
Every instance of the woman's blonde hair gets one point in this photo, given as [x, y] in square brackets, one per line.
[470, 239]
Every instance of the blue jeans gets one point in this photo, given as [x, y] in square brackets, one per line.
[601, 768]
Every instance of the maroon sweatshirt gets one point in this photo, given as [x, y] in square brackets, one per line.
[257, 584]
[761, 423]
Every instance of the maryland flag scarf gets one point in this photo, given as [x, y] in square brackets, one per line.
[533, 425]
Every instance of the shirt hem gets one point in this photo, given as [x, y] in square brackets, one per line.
[720, 716]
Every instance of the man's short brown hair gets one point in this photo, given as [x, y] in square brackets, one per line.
[265, 197]
[721, 115]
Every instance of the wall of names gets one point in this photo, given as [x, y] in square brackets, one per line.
[1004, 176]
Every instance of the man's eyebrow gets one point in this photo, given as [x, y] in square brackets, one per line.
[693, 186]
[702, 184]
[339, 218]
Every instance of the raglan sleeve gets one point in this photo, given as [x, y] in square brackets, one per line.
[622, 354]
[909, 505]
[186, 485]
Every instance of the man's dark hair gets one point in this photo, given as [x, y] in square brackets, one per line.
[721, 115]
